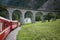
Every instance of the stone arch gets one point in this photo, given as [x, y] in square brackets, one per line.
[17, 15]
[38, 16]
[4, 12]
[29, 14]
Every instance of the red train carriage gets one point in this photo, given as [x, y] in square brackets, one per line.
[6, 26]
[14, 24]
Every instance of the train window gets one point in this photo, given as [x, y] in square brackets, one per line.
[1, 26]
[6, 25]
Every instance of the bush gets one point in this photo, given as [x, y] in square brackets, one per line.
[15, 17]
[38, 18]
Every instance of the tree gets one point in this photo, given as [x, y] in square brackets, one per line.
[15, 17]
[28, 14]
[38, 16]
[58, 15]
[3, 11]
[50, 16]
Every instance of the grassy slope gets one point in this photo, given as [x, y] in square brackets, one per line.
[40, 31]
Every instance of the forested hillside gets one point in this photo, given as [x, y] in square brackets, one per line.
[31, 4]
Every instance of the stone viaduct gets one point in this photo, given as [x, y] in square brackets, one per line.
[22, 13]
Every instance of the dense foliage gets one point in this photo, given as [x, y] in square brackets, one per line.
[58, 15]
[16, 15]
[3, 12]
[28, 14]
[34, 4]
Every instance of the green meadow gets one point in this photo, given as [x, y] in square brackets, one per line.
[40, 31]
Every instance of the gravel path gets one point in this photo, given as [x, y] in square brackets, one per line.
[12, 34]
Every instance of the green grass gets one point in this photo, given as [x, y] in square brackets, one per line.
[40, 31]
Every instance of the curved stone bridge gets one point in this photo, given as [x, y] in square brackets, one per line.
[22, 13]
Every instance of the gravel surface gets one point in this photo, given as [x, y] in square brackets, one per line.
[12, 34]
